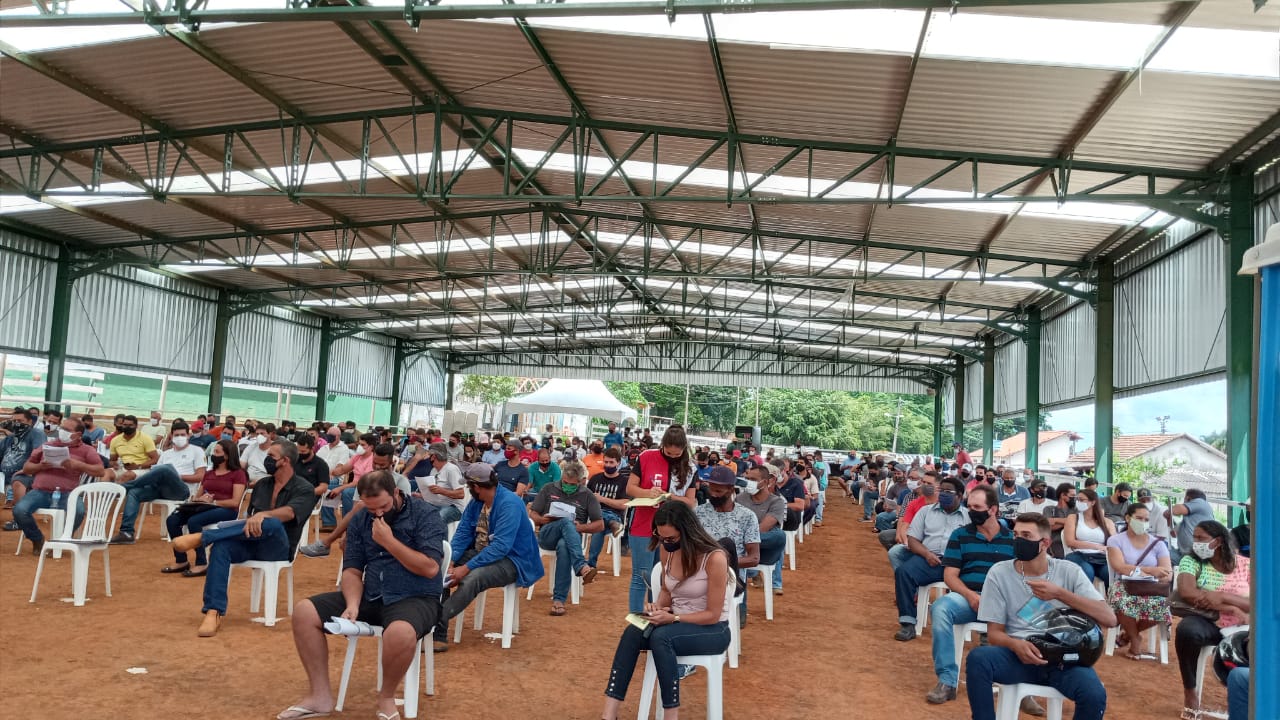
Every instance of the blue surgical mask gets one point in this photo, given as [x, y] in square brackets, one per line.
[948, 499]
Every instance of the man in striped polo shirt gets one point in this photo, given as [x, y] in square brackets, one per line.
[971, 551]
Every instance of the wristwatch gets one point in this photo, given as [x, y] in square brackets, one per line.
[677, 618]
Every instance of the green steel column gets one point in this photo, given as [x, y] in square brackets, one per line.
[449, 380]
[396, 378]
[937, 420]
[1033, 389]
[322, 369]
[1104, 372]
[958, 418]
[217, 369]
[988, 399]
[1239, 340]
[58, 328]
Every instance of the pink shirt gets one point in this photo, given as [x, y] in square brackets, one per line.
[361, 464]
[55, 478]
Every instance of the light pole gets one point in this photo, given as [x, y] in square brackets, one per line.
[897, 417]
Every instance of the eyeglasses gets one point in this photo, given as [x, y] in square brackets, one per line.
[668, 539]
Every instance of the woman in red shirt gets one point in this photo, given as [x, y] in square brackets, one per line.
[666, 469]
[222, 488]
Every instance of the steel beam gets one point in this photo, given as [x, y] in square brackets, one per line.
[58, 329]
[958, 418]
[397, 379]
[322, 368]
[1104, 374]
[937, 420]
[1239, 339]
[217, 368]
[1032, 339]
[988, 399]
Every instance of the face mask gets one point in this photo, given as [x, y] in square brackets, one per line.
[978, 517]
[718, 500]
[1071, 503]
[180, 441]
[571, 489]
[154, 422]
[527, 446]
[913, 484]
[226, 436]
[219, 460]
[964, 473]
[1139, 527]
[1009, 482]
[928, 490]
[1124, 498]
[753, 487]
[453, 443]
[1202, 550]
[303, 455]
[392, 513]
[671, 546]
[610, 469]
[64, 436]
[360, 450]
[1026, 550]
[1082, 506]
[1037, 494]
[948, 500]
[544, 465]
[510, 453]
[270, 465]
[129, 431]
[497, 446]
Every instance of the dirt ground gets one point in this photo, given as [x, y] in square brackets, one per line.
[828, 654]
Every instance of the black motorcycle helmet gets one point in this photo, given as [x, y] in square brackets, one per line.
[1067, 637]
[1233, 652]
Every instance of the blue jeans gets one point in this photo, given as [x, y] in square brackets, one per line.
[820, 503]
[348, 500]
[229, 546]
[886, 520]
[991, 664]
[161, 482]
[560, 535]
[642, 559]
[772, 544]
[664, 643]
[869, 499]
[1238, 694]
[193, 523]
[329, 518]
[899, 554]
[914, 573]
[448, 513]
[1091, 570]
[947, 612]
[24, 511]
[597, 539]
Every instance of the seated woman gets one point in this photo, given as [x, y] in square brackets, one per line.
[223, 486]
[1085, 536]
[1214, 581]
[690, 616]
[1136, 549]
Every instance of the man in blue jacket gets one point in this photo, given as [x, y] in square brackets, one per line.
[493, 546]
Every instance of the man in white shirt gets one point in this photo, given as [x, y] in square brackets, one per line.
[1038, 502]
[444, 488]
[1159, 514]
[155, 430]
[255, 453]
[335, 454]
[179, 471]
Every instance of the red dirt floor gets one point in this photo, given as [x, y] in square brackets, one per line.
[828, 654]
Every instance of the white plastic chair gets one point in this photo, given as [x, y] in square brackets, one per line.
[963, 634]
[265, 583]
[167, 507]
[102, 503]
[510, 615]
[714, 665]
[1156, 636]
[766, 579]
[924, 596]
[575, 585]
[423, 655]
[1011, 698]
[790, 548]
[1206, 657]
[56, 520]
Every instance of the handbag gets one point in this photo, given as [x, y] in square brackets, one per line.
[1146, 588]
[1182, 608]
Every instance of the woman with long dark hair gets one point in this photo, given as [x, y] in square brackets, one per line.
[690, 614]
[1213, 581]
[666, 469]
[222, 488]
[1086, 534]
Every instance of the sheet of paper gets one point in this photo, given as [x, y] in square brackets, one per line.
[56, 455]
[342, 626]
[638, 620]
[331, 502]
[563, 510]
[648, 502]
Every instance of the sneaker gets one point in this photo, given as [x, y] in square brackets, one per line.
[686, 670]
[315, 549]
[940, 694]
[440, 646]
[777, 591]
[905, 633]
[1031, 707]
[123, 537]
[11, 526]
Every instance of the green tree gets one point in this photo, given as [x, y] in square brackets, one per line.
[489, 390]
[1218, 439]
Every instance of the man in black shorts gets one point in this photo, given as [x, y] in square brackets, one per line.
[391, 576]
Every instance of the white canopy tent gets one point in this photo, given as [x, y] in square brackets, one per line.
[575, 397]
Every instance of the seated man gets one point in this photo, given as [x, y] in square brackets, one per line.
[722, 518]
[610, 488]
[770, 511]
[896, 540]
[543, 472]
[971, 552]
[564, 534]
[311, 466]
[1016, 591]
[513, 474]
[444, 488]
[47, 479]
[278, 512]
[493, 546]
[130, 451]
[254, 454]
[790, 489]
[180, 469]
[383, 459]
[335, 453]
[19, 437]
[927, 540]
[390, 577]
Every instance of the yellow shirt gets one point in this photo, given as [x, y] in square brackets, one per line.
[132, 451]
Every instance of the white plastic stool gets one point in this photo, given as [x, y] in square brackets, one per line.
[575, 585]
[714, 665]
[56, 520]
[1011, 698]
[923, 597]
[510, 615]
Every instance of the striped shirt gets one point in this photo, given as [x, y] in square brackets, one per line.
[970, 552]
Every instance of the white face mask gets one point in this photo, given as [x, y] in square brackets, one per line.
[1139, 527]
[64, 435]
[360, 450]
[497, 446]
[154, 422]
[753, 487]
[1082, 506]
[1202, 550]
[180, 441]
[913, 484]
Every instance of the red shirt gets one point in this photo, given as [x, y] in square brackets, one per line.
[55, 478]
[913, 507]
[222, 487]
[962, 458]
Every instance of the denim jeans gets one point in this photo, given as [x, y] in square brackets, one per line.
[24, 511]
[329, 518]
[448, 513]
[869, 499]
[348, 500]
[664, 643]
[913, 574]
[642, 559]
[597, 539]
[229, 545]
[886, 520]
[947, 612]
[820, 503]
[899, 554]
[772, 544]
[161, 482]
[1238, 694]
[193, 523]
[560, 535]
[1091, 571]
[991, 664]
[456, 599]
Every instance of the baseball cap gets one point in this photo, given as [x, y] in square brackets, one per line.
[197, 425]
[737, 453]
[721, 475]
[955, 444]
[348, 438]
[968, 466]
[439, 450]
[1144, 492]
[513, 442]
[480, 473]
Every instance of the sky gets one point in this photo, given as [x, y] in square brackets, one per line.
[1196, 409]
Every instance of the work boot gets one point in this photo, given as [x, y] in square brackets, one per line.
[124, 537]
[941, 693]
[209, 626]
[905, 633]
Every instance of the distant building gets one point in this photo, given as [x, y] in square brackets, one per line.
[1055, 447]
[1190, 461]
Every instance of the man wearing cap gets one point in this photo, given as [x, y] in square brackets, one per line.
[199, 437]
[962, 455]
[513, 474]
[493, 546]
[770, 511]
[1038, 500]
[1159, 514]
[563, 533]
[721, 517]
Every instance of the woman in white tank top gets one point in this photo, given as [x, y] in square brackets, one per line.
[1085, 536]
[690, 616]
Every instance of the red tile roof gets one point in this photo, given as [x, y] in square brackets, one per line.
[1127, 447]
[1018, 443]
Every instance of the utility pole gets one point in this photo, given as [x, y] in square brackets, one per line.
[757, 393]
[897, 417]
[737, 404]
[1164, 424]
[686, 406]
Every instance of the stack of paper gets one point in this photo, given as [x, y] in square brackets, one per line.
[562, 510]
[342, 626]
[56, 455]
[648, 502]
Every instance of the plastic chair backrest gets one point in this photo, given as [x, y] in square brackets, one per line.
[655, 578]
[448, 559]
[102, 503]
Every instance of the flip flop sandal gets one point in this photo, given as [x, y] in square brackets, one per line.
[171, 569]
[298, 712]
[393, 716]
[1189, 714]
[558, 609]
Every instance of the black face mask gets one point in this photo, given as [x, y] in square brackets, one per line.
[1037, 494]
[610, 469]
[270, 465]
[304, 456]
[718, 500]
[1071, 503]
[1026, 550]
[544, 465]
[219, 460]
[671, 546]
[390, 515]
[978, 517]
[129, 431]
[1010, 483]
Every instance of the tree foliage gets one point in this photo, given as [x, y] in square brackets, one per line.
[1217, 439]
[490, 390]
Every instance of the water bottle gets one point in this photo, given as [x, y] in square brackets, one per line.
[57, 496]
